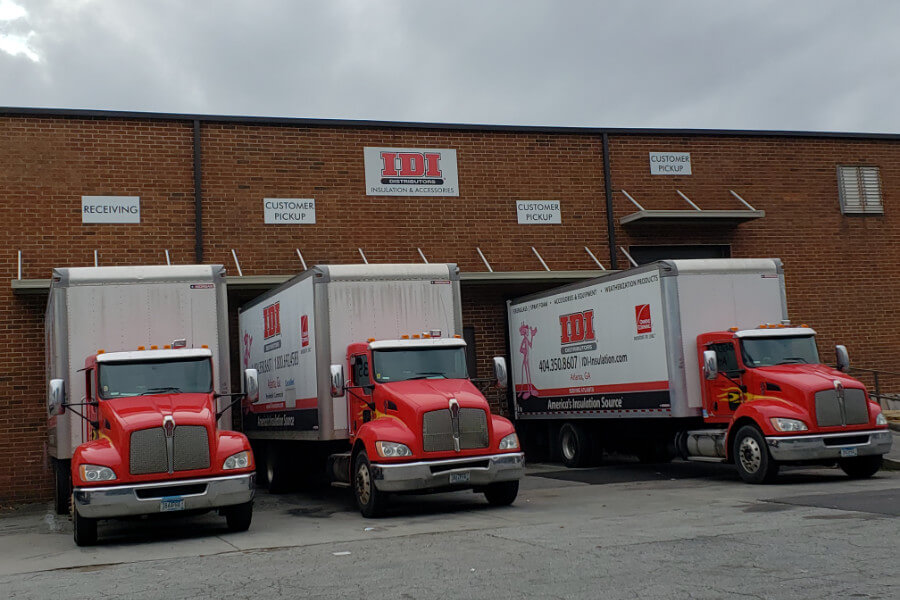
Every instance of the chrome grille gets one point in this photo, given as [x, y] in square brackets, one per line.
[437, 430]
[190, 448]
[830, 413]
[473, 432]
[148, 451]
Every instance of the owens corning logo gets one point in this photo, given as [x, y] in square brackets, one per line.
[418, 168]
[642, 319]
[577, 332]
[272, 320]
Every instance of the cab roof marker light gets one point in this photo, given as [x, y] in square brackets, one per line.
[141, 348]
[167, 347]
[205, 347]
[101, 351]
[732, 329]
[804, 325]
[458, 337]
[426, 336]
[416, 336]
[370, 340]
[154, 347]
[404, 337]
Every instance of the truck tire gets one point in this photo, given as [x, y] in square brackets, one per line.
[502, 493]
[278, 472]
[238, 517]
[751, 456]
[861, 467]
[62, 472]
[575, 446]
[84, 530]
[370, 501]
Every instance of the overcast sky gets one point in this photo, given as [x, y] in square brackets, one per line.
[808, 65]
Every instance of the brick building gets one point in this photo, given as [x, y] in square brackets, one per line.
[823, 203]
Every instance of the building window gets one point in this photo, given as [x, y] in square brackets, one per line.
[860, 190]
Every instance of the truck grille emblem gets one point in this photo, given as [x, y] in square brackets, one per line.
[454, 422]
[169, 429]
[169, 426]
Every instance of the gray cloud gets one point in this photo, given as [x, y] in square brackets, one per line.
[802, 65]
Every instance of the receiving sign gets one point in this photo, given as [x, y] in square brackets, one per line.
[411, 172]
[538, 212]
[289, 211]
[110, 209]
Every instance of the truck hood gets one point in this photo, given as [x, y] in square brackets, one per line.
[433, 394]
[140, 412]
[806, 378]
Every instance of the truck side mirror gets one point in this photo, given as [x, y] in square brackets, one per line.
[500, 374]
[251, 385]
[337, 381]
[56, 397]
[710, 365]
[843, 358]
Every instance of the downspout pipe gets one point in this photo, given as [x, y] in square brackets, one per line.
[610, 220]
[198, 194]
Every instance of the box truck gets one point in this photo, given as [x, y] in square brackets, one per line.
[696, 356]
[362, 377]
[138, 396]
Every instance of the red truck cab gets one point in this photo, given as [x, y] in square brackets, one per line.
[418, 423]
[151, 416]
[780, 404]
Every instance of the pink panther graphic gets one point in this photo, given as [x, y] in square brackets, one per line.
[248, 341]
[527, 342]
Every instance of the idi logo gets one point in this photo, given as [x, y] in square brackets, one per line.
[411, 167]
[304, 330]
[272, 320]
[642, 318]
[577, 332]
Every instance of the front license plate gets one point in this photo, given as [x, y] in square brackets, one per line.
[459, 477]
[847, 452]
[171, 504]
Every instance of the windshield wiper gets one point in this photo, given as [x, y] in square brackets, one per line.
[792, 360]
[426, 375]
[158, 390]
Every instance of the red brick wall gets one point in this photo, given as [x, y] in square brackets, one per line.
[840, 270]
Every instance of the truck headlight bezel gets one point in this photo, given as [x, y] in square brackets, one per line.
[240, 460]
[510, 442]
[786, 425]
[96, 473]
[392, 449]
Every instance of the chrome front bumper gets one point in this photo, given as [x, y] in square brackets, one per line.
[472, 471]
[829, 446]
[147, 498]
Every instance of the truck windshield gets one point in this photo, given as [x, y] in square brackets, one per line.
[191, 375]
[767, 352]
[419, 363]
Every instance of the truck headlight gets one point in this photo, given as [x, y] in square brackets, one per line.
[392, 449]
[241, 460]
[881, 419]
[93, 473]
[782, 424]
[510, 442]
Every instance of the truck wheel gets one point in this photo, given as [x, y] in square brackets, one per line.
[238, 517]
[84, 529]
[574, 445]
[63, 494]
[861, 467]
[751, 456]
[277, 472]
[502, 493]
[370, 501]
